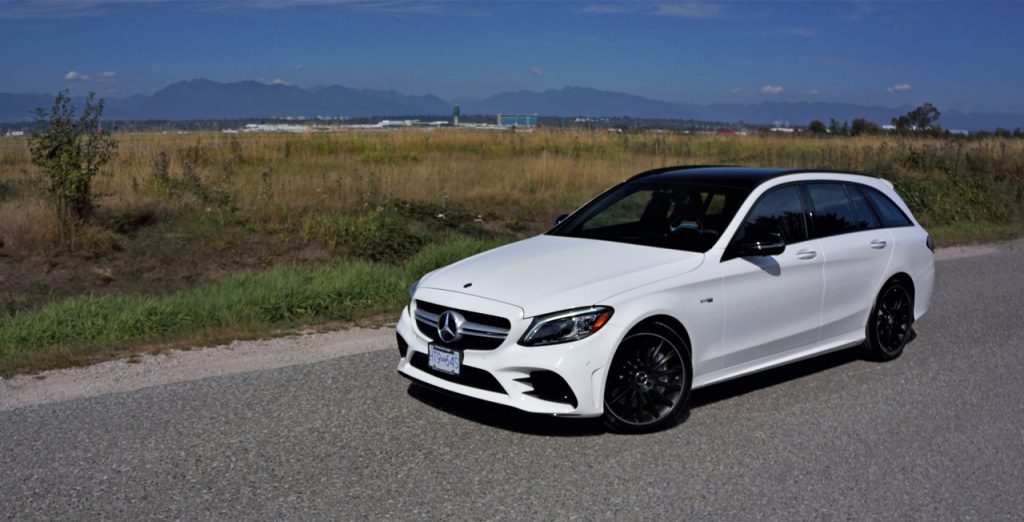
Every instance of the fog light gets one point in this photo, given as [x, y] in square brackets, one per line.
[403, 347]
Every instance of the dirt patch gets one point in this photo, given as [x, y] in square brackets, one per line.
[148, 257]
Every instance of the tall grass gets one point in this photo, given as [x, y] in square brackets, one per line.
[279, 179]
[75, 330]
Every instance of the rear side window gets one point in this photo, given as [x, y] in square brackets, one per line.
[890, 214]
[833, 213]
[780, 211]
[866, 218]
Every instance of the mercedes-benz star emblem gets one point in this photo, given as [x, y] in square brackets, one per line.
[449, 326]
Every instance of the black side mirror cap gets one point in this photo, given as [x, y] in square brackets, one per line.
[764, 244]
[756, 243]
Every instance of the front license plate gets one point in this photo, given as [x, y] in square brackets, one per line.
[443, 359]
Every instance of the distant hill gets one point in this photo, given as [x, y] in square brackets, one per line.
[205, 99]
[18, 107]
[209, 100]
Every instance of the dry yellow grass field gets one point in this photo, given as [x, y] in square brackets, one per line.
[268, 231]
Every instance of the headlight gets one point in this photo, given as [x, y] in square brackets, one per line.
[570, 325]
[412, 292]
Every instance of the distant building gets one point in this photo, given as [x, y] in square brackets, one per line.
[455, 115]
[13, 133]
[517, 120]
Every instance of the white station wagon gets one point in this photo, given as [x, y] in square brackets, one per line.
[675, 279]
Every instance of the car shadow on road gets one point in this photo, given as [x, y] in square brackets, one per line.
[774, 377]
[504, 417]
[511, 419]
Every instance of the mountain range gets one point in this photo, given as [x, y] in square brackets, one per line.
[209, 100]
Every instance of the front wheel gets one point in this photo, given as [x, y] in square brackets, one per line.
[891, 322]
[648, 381]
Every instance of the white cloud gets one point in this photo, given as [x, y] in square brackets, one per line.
[813, 92]
[737, 90]
[536, 71]
[608, 9]
[771, 89]
[106, 76]
[899, 87]
[75, 76]
[275, 81]
[154, 69]
[679, 9]
[688, 10]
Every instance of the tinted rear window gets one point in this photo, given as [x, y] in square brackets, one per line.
[866, 218]
[890, 214]
[833, 213]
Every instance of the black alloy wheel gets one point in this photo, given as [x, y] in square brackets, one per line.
[890, 325]
[648, 381]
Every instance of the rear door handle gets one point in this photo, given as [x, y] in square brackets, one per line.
[878, 244]
[806, 254]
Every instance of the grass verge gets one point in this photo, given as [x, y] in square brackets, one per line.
[79, 330]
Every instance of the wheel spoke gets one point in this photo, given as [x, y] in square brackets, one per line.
[668, 385]
[662, 359]
[621, 395]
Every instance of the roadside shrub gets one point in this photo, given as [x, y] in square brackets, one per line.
[376, 235]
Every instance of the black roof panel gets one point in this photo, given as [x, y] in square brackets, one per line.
[744, 177]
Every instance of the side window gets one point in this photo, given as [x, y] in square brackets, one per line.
[866, 218]
[833, 213]
[779, 210]
[891, 214]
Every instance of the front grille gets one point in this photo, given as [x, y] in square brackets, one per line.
[479, 332]
[468, 376]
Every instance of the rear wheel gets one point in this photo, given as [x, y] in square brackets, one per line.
[648, 380]
[891, 322]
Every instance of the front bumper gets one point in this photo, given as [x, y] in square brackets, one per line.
[580, 364]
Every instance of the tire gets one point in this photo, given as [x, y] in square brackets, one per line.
[890, 325]
[648, 382]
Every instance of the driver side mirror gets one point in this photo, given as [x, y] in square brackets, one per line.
[560, 218]
[761, 242]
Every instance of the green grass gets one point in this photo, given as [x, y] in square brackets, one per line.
[82, 329]
[973, 232]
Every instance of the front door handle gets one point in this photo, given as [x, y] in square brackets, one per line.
[806, 254]
[878, 244]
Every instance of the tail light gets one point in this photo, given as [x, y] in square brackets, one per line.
[930, 242]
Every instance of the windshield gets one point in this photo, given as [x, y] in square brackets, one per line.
[665, 214]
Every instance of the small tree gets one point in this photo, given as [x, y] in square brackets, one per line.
[817, 127]
[864, 126]
[920, 118]
[70, 151]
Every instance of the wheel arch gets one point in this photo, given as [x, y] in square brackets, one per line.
[672, 324]
[904, 279]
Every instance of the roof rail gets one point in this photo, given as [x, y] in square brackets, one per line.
[678, 167]
[826, 171]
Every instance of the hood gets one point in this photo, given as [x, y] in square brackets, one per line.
[547, 273]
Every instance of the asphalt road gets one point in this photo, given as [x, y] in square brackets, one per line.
[936, 434]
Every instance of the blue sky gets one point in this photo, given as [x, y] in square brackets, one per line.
[958, 55]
